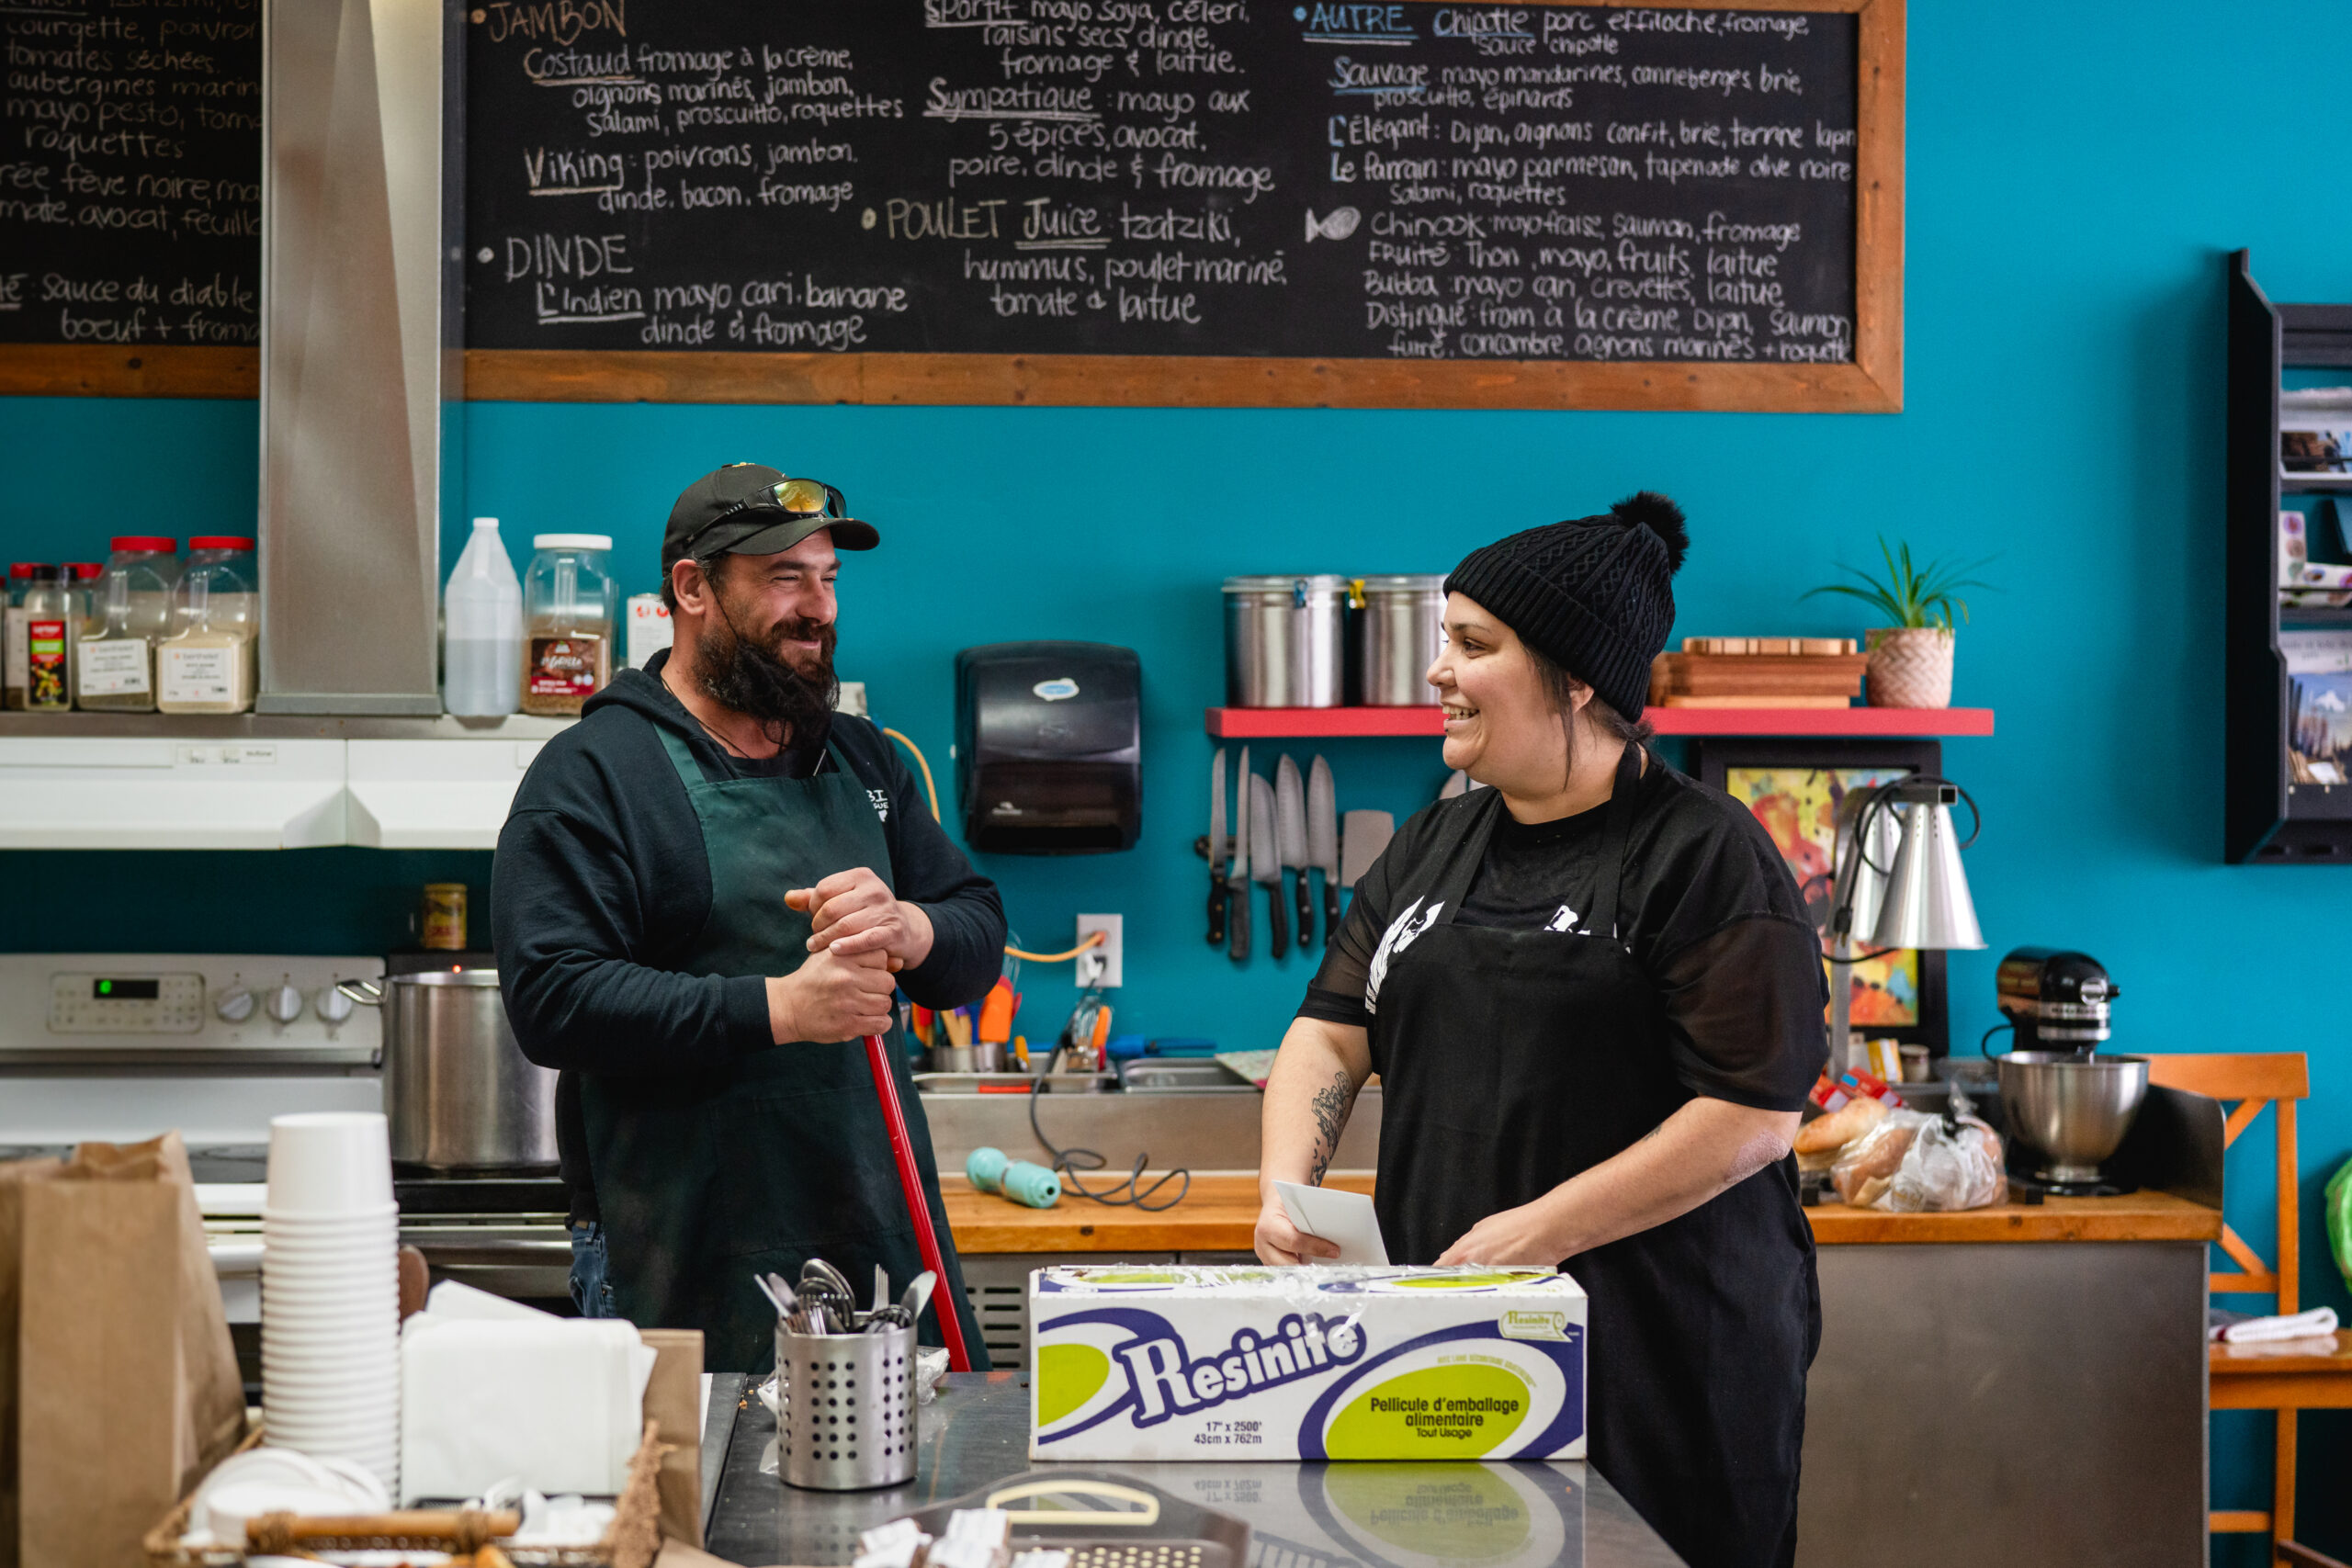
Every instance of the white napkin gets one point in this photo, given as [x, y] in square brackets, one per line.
[452, 1301]
[556, 1404]
[2300, 1326]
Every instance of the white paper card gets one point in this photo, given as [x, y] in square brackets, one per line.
[114, 668]
[1347, 1218]
[200, 674]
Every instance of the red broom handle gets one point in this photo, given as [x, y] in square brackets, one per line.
[902, 1146]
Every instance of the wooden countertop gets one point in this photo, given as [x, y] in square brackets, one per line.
[1218, 1215]
[2136, 1216]
[1221, 1212]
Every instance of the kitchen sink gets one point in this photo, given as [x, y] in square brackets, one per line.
[1188, 1076]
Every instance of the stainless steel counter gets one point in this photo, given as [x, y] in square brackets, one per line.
[1381, 1516]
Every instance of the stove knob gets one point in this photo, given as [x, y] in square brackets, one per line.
[235, 1006]
[284, 1003]
[333, 1005]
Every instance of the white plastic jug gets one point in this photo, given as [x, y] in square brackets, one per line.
[482, 611]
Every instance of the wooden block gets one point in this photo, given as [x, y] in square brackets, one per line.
[1757, 675]
[1749, 646]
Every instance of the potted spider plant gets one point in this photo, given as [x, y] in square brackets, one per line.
[1911, 659]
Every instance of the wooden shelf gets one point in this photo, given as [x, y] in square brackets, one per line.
[1286, 724]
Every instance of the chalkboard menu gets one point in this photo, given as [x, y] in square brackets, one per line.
[130, 173]
[1239, 179]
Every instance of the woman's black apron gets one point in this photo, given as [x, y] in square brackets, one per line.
[705, 1179]
[1511, 1060]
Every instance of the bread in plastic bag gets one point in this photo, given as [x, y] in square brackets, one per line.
[1914, 1162]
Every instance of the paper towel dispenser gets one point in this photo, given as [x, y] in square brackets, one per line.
[1049, 746]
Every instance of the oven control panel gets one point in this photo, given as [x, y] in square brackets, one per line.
[97, 1003]
[185, 1010]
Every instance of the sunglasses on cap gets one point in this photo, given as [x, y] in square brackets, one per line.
[795, 498]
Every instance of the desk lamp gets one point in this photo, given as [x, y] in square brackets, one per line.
[1916, 899]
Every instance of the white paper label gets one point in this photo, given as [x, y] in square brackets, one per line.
[13, 658]
[111, 668]
[200, 674]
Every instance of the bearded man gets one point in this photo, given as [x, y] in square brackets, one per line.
[707, 892]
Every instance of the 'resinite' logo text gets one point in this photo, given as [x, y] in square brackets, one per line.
[1166, 1380]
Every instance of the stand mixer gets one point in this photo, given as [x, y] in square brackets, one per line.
[2060, 1096]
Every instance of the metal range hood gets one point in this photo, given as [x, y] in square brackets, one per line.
[362, 340]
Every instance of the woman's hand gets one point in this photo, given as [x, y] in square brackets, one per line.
[853, 913]
[1280, 1242]
[1521, 1235]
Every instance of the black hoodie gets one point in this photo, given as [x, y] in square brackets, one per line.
[600, 887]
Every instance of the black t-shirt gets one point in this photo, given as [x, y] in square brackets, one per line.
[1707, 905]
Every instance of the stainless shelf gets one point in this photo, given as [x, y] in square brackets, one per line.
[275, 727]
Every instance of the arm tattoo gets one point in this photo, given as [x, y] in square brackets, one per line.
[1330, 1103]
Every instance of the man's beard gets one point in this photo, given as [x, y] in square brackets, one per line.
[787, 702]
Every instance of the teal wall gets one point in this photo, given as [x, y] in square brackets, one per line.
[2074, 180]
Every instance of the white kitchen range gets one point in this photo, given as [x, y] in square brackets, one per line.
[111, 1046]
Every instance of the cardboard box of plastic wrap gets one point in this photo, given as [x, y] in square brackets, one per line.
[1328, 1362]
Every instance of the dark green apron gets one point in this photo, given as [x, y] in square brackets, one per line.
[704, 1179]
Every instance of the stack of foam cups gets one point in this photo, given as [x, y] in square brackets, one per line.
[329, 1291]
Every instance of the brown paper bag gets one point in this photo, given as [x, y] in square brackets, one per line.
[12, 1174]
[673, 1404]
[126, 1386]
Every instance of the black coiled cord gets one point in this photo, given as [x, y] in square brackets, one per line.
[1067, 1163]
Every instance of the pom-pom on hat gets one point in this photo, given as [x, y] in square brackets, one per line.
[1595, 595]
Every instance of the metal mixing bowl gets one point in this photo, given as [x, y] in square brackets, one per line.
[2075, 1110]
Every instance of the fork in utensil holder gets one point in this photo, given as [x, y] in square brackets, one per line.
[846, 1408]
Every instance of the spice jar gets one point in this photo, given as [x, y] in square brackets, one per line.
[114, 668]
[50, 638]
[568, 600]
[12, 638]
[444, 915]
[208, 664]
[82, 595]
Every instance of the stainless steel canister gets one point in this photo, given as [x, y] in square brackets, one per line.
[458, 1091]
[1285, 641]
[1398, 631]
[846, 1408]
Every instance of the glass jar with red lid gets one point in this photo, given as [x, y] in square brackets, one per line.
[114, 668]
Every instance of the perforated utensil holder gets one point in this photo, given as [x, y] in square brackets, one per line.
[845, 1409]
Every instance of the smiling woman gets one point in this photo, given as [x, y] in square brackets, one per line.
[1595, 1006]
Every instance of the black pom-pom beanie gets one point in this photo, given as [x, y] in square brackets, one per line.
[1595, 595]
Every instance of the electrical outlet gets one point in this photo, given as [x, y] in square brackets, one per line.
[1111, 951]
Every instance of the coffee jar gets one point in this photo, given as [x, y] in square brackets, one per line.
[569, 604]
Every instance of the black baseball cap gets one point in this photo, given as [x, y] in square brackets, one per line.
[749, 509]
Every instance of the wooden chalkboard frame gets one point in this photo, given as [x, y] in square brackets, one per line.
[1872, 383]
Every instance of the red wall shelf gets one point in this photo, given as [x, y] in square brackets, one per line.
[1281, 724]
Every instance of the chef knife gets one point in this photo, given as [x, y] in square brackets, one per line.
[1217, 849]
[1237, 878]
[1323, 841]
[1290, 835]
[1265, 863]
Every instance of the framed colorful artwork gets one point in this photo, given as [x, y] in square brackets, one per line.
[1794, 788]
